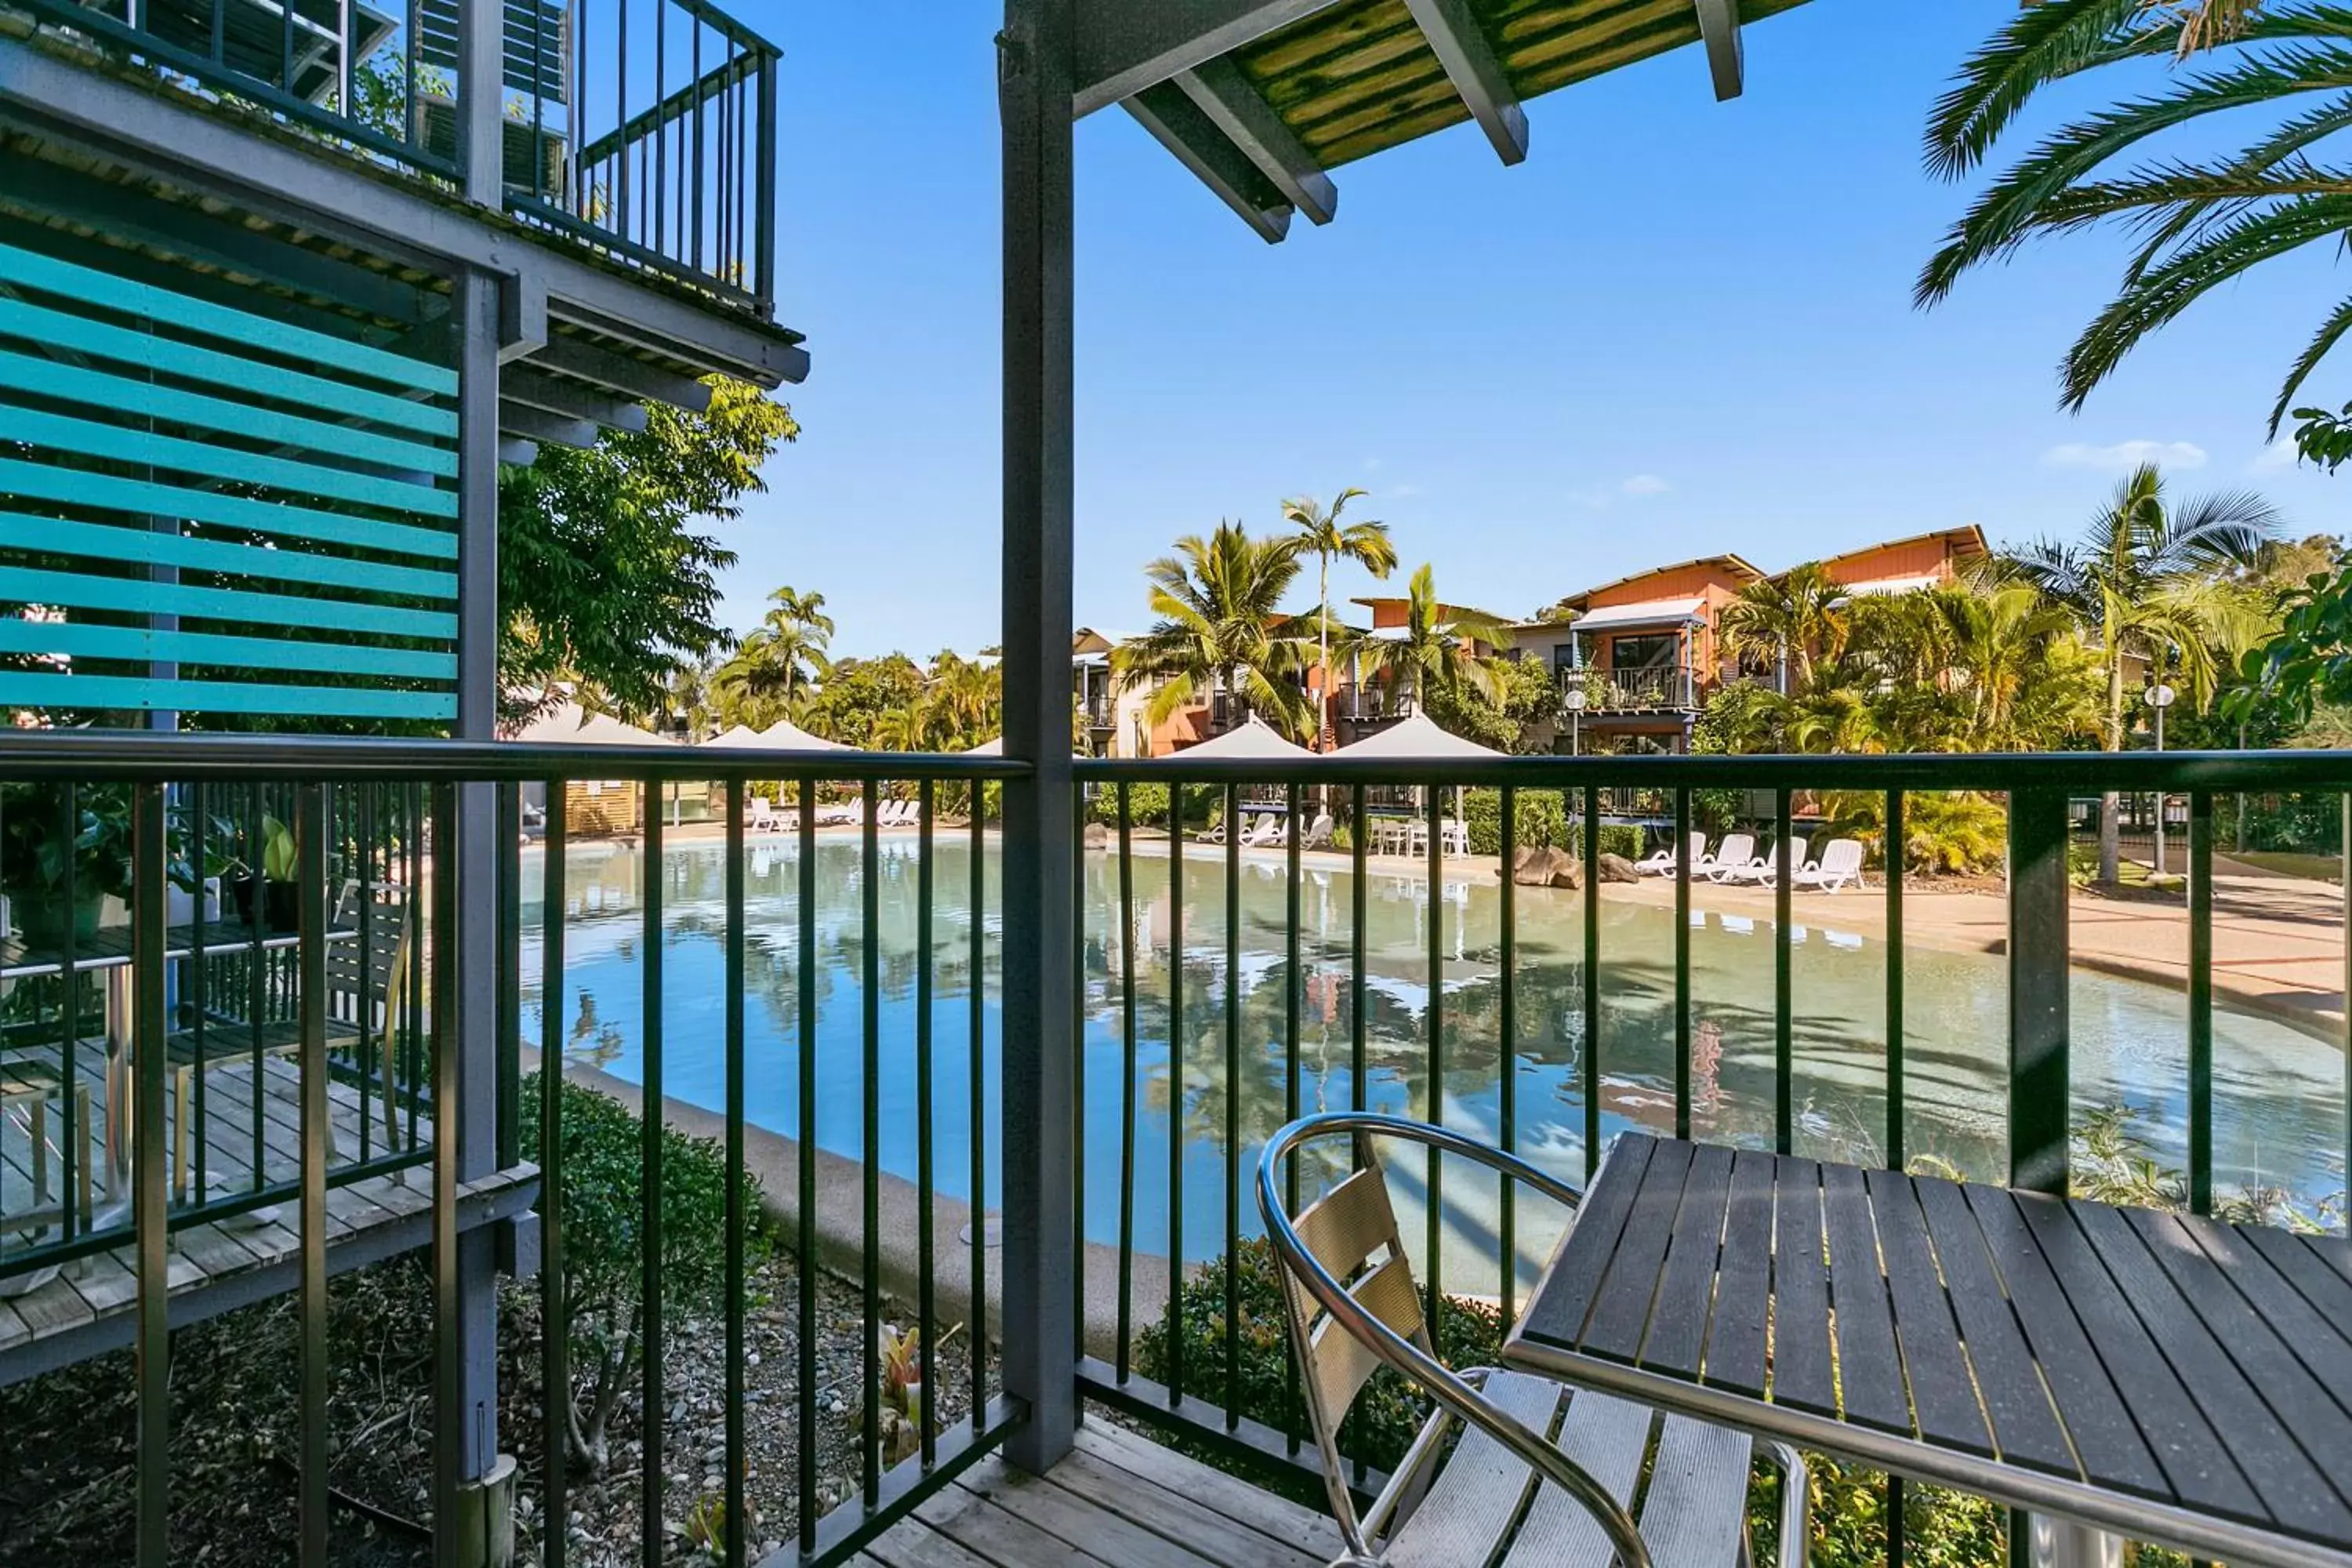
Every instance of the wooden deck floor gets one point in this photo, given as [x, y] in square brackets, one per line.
[1119, 1501]
[86, 1307]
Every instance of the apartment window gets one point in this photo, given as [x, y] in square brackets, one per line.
[1654, 651]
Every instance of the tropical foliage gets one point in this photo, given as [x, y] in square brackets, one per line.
[1325, 537]
[1222, 629]
[1442, 652]
[776, 661]
[2194, 224]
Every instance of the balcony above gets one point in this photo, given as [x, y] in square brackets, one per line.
[621, 164]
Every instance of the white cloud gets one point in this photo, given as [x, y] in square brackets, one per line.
[1638, 487]
[2279, 455]
[1401, 493]
[2124, 456]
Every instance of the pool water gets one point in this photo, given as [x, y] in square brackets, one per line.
[2277, 1093]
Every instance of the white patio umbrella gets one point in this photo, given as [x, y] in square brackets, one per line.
[781, 736]
[1419, 738]
[569, 724]
[1253, 739]
[994, 748]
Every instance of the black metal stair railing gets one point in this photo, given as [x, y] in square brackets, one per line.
[358, 835]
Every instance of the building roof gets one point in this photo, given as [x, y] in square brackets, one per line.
[1648, 613]
[1262, 99]
[1966, 540]
[1732, 565]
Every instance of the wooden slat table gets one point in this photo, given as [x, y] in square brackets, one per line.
[2171, 1378]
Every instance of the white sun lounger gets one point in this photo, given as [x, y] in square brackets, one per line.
[1765, 870]
[1733, 859]
[1841, 863]
[1661, 862]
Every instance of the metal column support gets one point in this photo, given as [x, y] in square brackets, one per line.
[1037, 78]
[481, 148]
[2040, 1078]
[472, 916]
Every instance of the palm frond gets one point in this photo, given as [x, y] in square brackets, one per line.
[2040, 44]
[2331, 333]
[2292, 139]
[2164, 293]
[2004, 217]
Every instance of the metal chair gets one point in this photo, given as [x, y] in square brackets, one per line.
[1353, 1308]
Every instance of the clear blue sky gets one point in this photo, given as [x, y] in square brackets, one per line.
[1680, 327]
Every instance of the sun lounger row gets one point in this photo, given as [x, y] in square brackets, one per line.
[1735, 861]
[1271, 830]
[762, 815]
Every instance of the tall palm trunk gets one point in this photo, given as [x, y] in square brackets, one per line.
[2111, 803]
[1323, 655]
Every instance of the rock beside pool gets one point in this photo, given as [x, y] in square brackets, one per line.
[1616, 868]
[1544, 866]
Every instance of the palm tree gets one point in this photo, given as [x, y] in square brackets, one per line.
[2001, 637]
[2147, 577]
[1221, 629]
[1365, 543]
[1795, 616]
[1440, 650]
[759, 685]
[2195, 225]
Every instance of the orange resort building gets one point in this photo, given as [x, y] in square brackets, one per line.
[1644, 650]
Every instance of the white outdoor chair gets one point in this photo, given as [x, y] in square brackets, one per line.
[1353, 1308]
[1661, 862]
[1458, 836]
[761, 817]
[1318, 834]
[1734, 857]
[1765, 870]
[1841, 863]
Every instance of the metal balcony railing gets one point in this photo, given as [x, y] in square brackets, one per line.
[1224, 987]
[646, 129]
[1640, 691]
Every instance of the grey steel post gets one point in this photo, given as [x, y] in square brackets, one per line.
[482, 147]
[2038, 1074]
[1036, 77]
[473, 995]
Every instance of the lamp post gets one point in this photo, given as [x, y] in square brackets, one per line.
[2158, 698]
[1575, 699]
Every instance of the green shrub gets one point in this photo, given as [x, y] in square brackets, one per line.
[1147, 804]
[604, 1245]
[1542, 813]
[1621, 838]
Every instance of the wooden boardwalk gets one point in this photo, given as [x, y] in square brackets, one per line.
[1119, 1500]
[87, 1308]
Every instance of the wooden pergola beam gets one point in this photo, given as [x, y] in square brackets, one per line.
[1180, 125]
[1476, 72]
[1238, 110]
[1123, 48]
[1719, 25]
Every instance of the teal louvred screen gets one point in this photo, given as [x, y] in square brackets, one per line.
[209, 510]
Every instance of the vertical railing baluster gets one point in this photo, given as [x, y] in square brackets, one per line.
[151, 1219]
[1433, 1091]
[311, 854]
[1507, 1052]
[256, 972]
[1175, 1335]
[369, 1043]
[926, 1177]
[1128, 1091]
[555, 1334]
[74, 1169]
[507, 1130]
[2040, 1075]
[977, 1087]
[1683, 856]
[655, 1480]
[695, 180]
[198, 827]
[621, 117]
[661, 124]
[448, 1357]
[1591, 1053]
[764, 231]
[737, 1198]
[805, 1262]
[1898, 857]
[869, 1145]
[1358, 1043]
[1290, 999]
[1078, 1061]
[2200, 1000]
[1784, 1039]
[1232, 1107]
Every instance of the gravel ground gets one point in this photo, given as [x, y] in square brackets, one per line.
[68, 1457]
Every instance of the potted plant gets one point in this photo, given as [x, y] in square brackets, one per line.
[41, 851]
[267, 894]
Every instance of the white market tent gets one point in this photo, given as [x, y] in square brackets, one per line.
[781, 736]
[1254, 740]
[994, 748]
[569, 724]
[1417, 737]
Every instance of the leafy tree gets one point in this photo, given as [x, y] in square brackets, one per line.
[1323, 535]
[859, 696]
[2195, 225]
[1521, 716]
[1795, 616]
[2144, 575]
[1446, 652]
[603, 577]
[1221, 629]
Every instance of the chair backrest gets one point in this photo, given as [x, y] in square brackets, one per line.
[367, 976]
[1697, 851]
[1792, 853]
[1320, 833]
[1737, 849]
[1352, 1231]
[1843, 857]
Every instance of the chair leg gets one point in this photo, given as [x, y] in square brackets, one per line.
[40, 1128]
[183, 1079]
